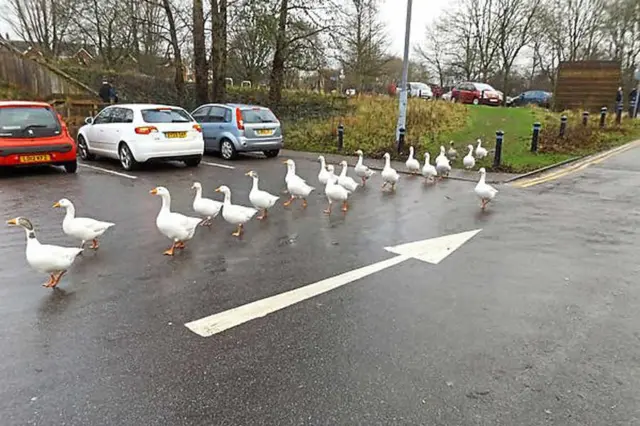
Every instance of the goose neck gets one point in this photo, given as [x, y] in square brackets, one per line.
[71, 212]
[359, 159]
[227, 197]
[166, 202]
[254, 186]
[343, 172]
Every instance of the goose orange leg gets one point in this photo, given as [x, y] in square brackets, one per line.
[263, 215]
[94, 244]
[304, 203]
[51, 280]
[328, 209]
[180, 245]
[171, 250]
[57, 279]
[239, 231]
[289, 201]
[345, 206]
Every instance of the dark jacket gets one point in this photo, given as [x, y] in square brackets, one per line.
[105, 93]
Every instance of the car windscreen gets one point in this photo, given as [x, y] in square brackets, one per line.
[165, 115]
[258, 115]
[28, 122]
[481, 86]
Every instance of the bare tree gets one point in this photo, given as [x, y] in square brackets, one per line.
[435, 51]
[200, 54]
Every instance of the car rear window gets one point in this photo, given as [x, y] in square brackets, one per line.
[28, 122]
[258, 115]
[166, 115]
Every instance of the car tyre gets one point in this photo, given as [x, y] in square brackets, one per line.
[127, 160]
[228, 150]
[193, 162]
[83, 150]
[71, 166]
[272, 153]
[476, 101]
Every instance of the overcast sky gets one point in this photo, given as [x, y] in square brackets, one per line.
[392, 12]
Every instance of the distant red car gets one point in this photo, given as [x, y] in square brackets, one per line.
[476, 94]
[32, 133]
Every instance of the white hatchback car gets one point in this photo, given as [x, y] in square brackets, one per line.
[136, 133]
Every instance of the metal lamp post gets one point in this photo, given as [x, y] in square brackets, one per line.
[402, 116]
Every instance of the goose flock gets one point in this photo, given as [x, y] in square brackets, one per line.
[179, 228]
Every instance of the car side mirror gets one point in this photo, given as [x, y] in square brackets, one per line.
[88, 120]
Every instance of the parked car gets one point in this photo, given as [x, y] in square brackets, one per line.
[437, 91]
[233, 128]
[420, 90]
[446, 96]
[137, 133]
[32, 133]
[476, 93]
[532, 97]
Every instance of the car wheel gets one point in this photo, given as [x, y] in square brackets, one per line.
[126, 158]
[71, 166]
[476, 101]
[83, 150]
[228, 150]
[272, 153]
[193, 162]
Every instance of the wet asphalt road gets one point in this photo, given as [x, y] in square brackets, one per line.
[534, 321]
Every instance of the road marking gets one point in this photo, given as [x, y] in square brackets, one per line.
[224, 166]
[581, 165]
[108, 171]
[433, 250]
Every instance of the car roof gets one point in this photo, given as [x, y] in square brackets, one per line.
[235, 105]
[142, 106]
[24, 104]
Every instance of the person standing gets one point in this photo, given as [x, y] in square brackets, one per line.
[632, 103]
[105, 91]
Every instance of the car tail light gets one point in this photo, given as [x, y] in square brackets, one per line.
[145, 130]
[239, 119]
[197, 128]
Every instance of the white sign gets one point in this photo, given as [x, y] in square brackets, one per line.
[433, 251]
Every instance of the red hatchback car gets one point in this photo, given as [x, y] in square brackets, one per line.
[32, 133]
[476, 93]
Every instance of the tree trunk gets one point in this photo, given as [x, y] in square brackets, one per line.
[218, 49]
[177, 57]
[276, 80]
[200, 55]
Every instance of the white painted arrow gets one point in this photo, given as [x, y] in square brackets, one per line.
[433, 250]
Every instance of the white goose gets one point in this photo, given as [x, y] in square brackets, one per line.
[468, 161]
[481, 152]
[205, 206]
[175, 226]
[336, 193]
[363, 171]
[234, 214]
[428, 170]
[347, 182]
[442, 164]
[260, 199]
[412, 164]
[323, 175]
[82, 228]
[46, 258]
[296, 186]
[389, 175]
[484, 191]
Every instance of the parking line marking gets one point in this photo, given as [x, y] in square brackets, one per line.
[223, 166]
[108, 171]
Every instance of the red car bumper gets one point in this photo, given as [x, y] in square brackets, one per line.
[35, 154]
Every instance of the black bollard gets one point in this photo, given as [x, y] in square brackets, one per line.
[401, 140]
[619, 113]
[603, 117]
[340, 136]
[585, 118]
[497, 158]
[535, 136]
[563, 126]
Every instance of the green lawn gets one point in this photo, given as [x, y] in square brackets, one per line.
[517, 125]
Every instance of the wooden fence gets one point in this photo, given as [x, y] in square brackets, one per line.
[588, 85]
[39, 79]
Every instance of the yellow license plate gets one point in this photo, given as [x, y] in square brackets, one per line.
[34, 158]
[176, 135]
[264, 132]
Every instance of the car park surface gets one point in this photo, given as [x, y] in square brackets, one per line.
[517, 326]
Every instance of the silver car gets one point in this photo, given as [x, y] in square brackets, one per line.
[233, 128]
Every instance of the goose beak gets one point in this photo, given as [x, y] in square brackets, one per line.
[218, 190]
[285, 162]
[12, 222]
[56, 205]
[154, 191]
[248, 173]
